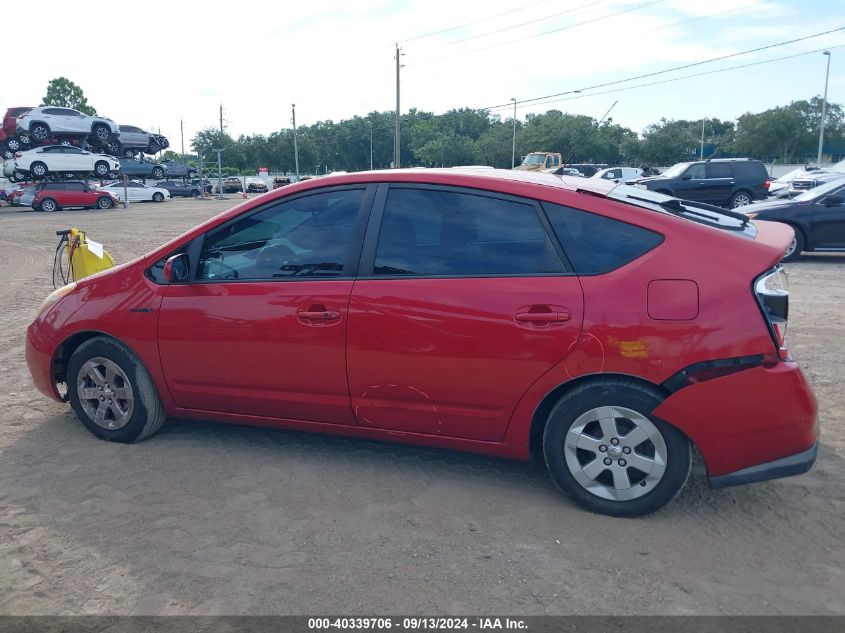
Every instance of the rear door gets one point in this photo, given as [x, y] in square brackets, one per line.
[462, 302]
[720, 183]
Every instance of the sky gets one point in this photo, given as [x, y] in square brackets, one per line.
[335, 59]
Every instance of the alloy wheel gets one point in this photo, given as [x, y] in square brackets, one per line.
[105, 393]
[615, 453]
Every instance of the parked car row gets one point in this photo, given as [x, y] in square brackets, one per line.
[56, 195]
[26, 127]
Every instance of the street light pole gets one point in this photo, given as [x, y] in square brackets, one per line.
[397, 163]
[824, 110]
[513, 147]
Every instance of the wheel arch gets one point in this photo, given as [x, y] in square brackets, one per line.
[541, 413]
[68, 346]
[808, 245]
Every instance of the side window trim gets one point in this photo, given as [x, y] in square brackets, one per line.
[366, 266]
[369, 190]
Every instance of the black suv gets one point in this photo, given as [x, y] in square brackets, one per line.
[727, 182]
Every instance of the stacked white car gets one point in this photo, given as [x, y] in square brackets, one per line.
[63, 159]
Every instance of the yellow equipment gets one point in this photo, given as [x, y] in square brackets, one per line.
[84, 257]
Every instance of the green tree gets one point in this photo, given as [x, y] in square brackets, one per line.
[62, 92]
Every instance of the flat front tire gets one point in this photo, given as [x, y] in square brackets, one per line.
[112, 393]
[610, 455]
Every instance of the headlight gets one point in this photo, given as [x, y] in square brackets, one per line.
[751, 214]
[54, 296]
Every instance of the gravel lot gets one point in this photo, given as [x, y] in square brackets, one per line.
[218, 519]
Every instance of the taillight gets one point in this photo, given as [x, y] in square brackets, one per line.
[767, 184]
[19, 155]
[772, 292]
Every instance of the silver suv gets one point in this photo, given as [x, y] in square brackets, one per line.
[46, 121]
[132, 140]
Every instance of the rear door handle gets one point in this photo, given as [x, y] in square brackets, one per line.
[324, 315]
[542, 317]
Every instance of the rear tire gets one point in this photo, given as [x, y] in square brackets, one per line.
[604, 449]
[192, 174]
[740, 199]
[13, 144]
[793, 252]
[112, 393]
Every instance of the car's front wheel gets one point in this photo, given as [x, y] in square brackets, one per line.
[158, 197]
[101, 132]
[158, 172]
[112, 393]
[13, 144]
[104, 202]
[101, 169]
[39, 132]
[604, 449]
[38, 169]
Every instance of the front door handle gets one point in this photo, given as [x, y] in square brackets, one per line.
[542, 317]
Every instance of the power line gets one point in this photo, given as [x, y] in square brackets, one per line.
[550, 32]
[709, 15]
[669, 70]
[479, 21]
[592, 3]
[673, 79]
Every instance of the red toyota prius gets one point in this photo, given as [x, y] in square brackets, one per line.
[606, 327]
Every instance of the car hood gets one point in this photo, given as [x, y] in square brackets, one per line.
[768, 205]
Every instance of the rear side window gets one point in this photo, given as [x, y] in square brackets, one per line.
[720, 170]
[596, 244]
[751, 170]
[446, 233]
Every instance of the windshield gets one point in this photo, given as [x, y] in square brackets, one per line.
[534, 159]
[675, 170]
[821, 190]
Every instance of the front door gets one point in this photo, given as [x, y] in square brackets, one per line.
[828, 222]
[261, 329]
[693, 184]
[461, 304]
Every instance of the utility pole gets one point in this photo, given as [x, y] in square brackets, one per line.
[220, 195]
[182, 134]
[221, 123]
[513, 149]
[371, 144]
[701, 156]
[396, 146]
[295, 148]
[824, 111]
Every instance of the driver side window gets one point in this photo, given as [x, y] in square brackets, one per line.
[695, 172]
[304, 237]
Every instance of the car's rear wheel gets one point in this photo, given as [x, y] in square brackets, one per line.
[48, 205]
[40, 132]
[13, 144]
[195, 193]
[112, 393]
[101, 132]
[158, 172]
[158, 197]
[740, 199]
[104, 202]
[130, 153]
[38, 169]
[101, 168]
[793, 251]
[192, 174]
[605, 449]
[8, 154]
[113, 148]
[153, 148]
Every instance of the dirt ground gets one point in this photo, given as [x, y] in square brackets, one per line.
[219, 519]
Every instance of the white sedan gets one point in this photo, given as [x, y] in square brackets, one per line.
[138, 192]
[61, 159]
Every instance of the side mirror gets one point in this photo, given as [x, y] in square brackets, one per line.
[686, 177]
[176, 269]
[832, 200]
